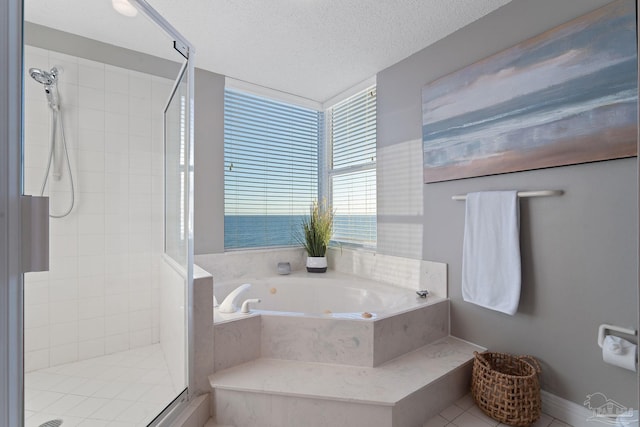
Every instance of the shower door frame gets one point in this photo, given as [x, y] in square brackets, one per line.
[186, 49]
[11, 300]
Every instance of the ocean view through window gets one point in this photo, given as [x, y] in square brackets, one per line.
[271, 169]
[352, 174]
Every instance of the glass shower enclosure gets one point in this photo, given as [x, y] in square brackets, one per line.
[108, 139]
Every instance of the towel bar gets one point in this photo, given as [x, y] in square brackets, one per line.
[539, 193]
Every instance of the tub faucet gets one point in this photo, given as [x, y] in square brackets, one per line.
[229, 304]
[245, 305]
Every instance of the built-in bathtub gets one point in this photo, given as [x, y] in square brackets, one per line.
[319, 318]
[326, 295]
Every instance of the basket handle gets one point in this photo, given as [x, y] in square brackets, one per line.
[480, 358]
[531, 361]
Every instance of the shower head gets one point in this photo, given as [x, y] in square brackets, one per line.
[47, 78]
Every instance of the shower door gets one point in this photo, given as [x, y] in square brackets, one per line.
[176, 179]
[177, 268]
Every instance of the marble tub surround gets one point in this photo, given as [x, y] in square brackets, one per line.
[402, 392]
[236, 342]
[202, 329]
[196, 414]
[404, 272]
[354, 341]
[250, 263]
[346, 342]
[408, 331]
[296, 326]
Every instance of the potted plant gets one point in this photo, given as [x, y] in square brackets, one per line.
[317, 229]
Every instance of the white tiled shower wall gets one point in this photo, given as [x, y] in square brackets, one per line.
[100, 295]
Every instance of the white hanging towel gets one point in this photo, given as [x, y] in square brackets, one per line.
[491, 274]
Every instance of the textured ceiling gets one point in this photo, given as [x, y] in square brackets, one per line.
[310, 48]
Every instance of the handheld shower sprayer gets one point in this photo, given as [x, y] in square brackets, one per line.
[49, 79]
[58, 151]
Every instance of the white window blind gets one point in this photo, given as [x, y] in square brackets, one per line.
[352, 130]
[271, 169]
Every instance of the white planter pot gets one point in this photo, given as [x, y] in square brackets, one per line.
[317, 264]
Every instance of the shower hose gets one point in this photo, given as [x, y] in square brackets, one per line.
[56, 117]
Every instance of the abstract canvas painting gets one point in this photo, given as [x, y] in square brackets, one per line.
[564, 97]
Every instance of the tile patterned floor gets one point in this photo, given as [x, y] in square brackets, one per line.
[124, 389]
[464, 413]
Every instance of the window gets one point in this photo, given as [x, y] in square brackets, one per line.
[271, 169]
[352, 174]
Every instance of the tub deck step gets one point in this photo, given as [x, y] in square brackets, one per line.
[432, 376]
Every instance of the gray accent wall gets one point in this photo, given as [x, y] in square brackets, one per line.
[209, 163]
[579, 251]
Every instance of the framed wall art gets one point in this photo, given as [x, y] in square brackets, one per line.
[564, 97]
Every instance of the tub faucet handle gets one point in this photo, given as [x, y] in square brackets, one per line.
[422, 293]
[245, 304]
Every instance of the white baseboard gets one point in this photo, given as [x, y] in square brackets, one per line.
[567, 411]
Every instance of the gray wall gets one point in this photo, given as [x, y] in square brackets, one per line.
[209, 163]
[578, 251]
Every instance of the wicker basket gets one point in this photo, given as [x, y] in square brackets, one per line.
[506, 387]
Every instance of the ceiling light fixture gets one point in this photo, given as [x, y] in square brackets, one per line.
[124, 7]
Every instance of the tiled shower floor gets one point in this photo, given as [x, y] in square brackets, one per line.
[123, 389]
